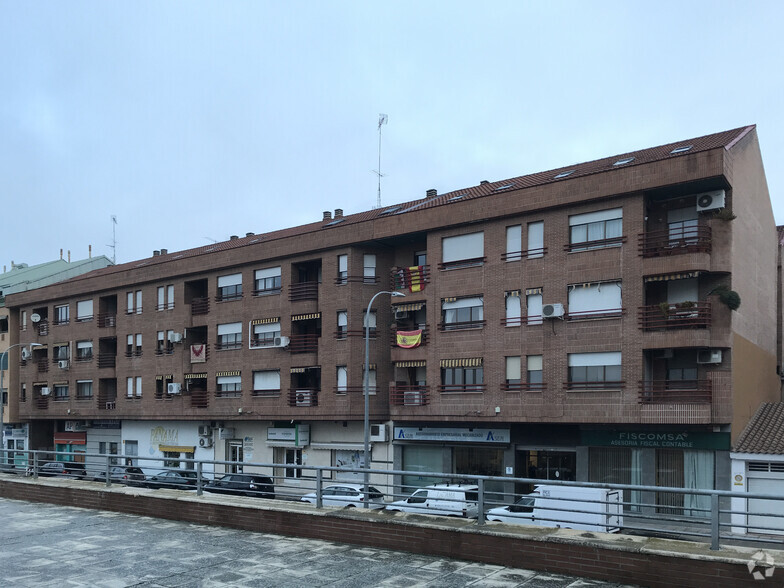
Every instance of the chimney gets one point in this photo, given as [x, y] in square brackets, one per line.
[164, 251]
[233, 238]
[327, 215]
[431, 193]
[483, 182]
[338, 213]
[249, 234]
[90, 251]
[69, 256]
[156, 253]
[61, 253]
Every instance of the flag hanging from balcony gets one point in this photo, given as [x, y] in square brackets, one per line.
[198, 353]
[415, 283]
[409, 339]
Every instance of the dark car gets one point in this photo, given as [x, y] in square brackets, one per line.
[130, 475]
[243, 484]
[63, 469]
[174, 479]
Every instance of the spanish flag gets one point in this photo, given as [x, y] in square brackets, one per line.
[415, 278]
[409, 339]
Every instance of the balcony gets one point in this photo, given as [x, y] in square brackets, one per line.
[303, 343]
[407, 339]
[462, 325]
[411, 278]
[683, 315]
[200, 306]
[599, 385]
[200, 399]
[462, 388]
[666, 242]
[106, 321]
[43, 328]
[523, 387]
[43, 366]
[107, 360]
[409, 395]
[675, 392]
[537, 253]
[302, 397]
[303, 291]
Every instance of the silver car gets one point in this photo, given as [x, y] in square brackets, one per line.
[346, 495]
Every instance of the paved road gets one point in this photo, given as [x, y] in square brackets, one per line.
[47, 545]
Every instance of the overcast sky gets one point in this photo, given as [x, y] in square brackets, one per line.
[193, 121]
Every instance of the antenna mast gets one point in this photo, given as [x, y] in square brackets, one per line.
[382, 120]
[114, 240]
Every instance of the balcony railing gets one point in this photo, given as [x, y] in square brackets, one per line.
[675, 316]
[524, 254]
[595, 314]
[340, 280]
[595, 244]
[303, 291]
[462, 263]
[303, 397]
[43, 328]
[271, 393]
[523, 387]
[228, 394]
[678, 391]
[458, 326]
[303, 343]
[411, 278]
[342, 390]
[675, 242]
[462, 388]
[200, 306]
[405, 333]
[107, 360]
[43, 366]
[600, 385]
[106, 320]
[200, 399]
[409, 395]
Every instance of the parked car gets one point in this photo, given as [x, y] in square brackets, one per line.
[441, 499]
[347, 495]
[174, 479]
[62, 469]
[243, 484]
[130, 475]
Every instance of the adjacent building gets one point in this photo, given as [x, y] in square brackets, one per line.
[611, 321]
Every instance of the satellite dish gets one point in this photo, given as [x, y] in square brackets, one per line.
[35, 317]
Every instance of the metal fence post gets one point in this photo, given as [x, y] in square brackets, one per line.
[319, 485]
[35, 465]
[714, 522]
[198, 479]
[480, 504]
[106, 472]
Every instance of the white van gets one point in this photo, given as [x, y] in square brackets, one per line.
[442, 499]
[555, 506]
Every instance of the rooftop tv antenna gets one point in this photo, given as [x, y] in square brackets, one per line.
[382, 120]
[113, 246]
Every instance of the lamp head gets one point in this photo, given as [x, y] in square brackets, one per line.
[396, 293]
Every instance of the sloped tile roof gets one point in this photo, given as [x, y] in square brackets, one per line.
[765, 431]
[725, 139]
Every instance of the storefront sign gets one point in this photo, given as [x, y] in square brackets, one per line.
[658, 439]
[161, 436]
[453, 435]
[298, 435]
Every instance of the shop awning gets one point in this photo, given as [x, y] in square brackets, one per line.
[195, 376]
[464, 362]
[410, 307]
[676, 276]
[306, 317]
[178, 448]
[411, 363]
[265, 321]
[224, 374]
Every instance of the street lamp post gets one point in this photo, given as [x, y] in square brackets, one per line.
[366, 390]
[3, 357]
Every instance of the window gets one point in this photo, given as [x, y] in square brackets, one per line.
[342, 379]
[462, 313]
[264, 334]
[138, 387]
[22, 393]
[533, 303]
[230, 336]
[109, 448]
[84, 389]
[22, 321]
[266, 383]
[682, 226]
[599, 299]
[229, 287]
[61, 352]
[169, 341]
[4, 396]
[138, 301]
[84, 350]
[61, 315]
[462, 379]
[535, 239]
[129, 302]
[171, 459]
[267, 281]
[534, 372]
[229, 386]
[342, 269]
[589, 371]
[129, 346]
[369, 320]
[342, 324]
[161, 298]
[138, 350]
[513, 314]
[514, 243]
[84, 310]
[420, 258]
[160, 344]
[129, 387]
[170, 296]
[61, 391]
[513, 377]
[463, 251]
[369, 269]
[596, 230]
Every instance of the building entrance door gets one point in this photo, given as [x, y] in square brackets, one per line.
[234, 454]
[544, 465]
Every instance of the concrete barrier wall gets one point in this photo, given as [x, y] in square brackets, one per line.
[625, 559]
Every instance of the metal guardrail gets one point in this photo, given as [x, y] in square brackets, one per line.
[640, 513]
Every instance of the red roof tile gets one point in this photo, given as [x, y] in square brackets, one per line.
[765, 431]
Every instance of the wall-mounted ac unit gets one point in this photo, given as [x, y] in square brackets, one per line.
[205, 442]
[63, 364]
[303, 399]
[173, 388]
[205, 430]
[401, 314]
[45, 391]
[175, 337]
[281, 341]
[710, 200]
[709, 356]
[378, 433]
[26, 353]
[552, 311]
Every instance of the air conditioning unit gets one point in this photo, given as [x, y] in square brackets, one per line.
[709, 356]
[552, 311]
[173, 388]
[45, 391]
[205, 442]
[175, 337]
[303, 399]
[378, 433]
[413, 399]
[205, 430]
[63, 364]
[26, 353]
[401, 314]
[710, 200]
[281, 341]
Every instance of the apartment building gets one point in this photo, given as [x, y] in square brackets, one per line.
[612, 321]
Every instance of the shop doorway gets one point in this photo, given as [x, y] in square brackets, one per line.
[544, 465]
[234, 454]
